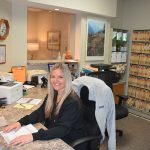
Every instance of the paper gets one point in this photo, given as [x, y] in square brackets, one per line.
[24, 106]
[114, 57]
[29, 101]
[22, 131]
[35, 101]
[28, 86]
[3, 121]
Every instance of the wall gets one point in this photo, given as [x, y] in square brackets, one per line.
[16, 12]
[5, 13]
[132, 14]
[39, 23]
[99, 7]
[19, 33]
[81, 40]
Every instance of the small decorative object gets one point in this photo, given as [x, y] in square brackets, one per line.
[53, 40]
[4, 29]
[2, 54]
[68, 55]
[95, 39]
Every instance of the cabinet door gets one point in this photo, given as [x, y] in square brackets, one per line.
[118, 88]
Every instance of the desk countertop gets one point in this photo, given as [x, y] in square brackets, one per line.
[12, 114]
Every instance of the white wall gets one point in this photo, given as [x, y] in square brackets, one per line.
[132, 14]
[100, 7]
[19, 33]
[16, 12]
[5, 13]
[81, 40]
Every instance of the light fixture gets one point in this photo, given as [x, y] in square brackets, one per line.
[33, 47]
[57, 9]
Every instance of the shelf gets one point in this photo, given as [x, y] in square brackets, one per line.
[139, 72]
[131, 64]
[139, 113]
[139, 98]
[139, 87]
[141, 41]
[139, 76]
[140, 53]
[33, 62]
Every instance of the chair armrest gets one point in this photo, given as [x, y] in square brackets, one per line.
[84, 139]
[121, 98]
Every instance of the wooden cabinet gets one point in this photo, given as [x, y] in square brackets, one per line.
[118, 88]
[139, 72]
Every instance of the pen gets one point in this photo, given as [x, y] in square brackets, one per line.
[29, 100]
[22, 105]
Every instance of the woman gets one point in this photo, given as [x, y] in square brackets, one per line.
[60, 111]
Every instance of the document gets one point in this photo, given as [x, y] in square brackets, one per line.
[24, 130]
[3, 121]
[27, 87]
[32, 101]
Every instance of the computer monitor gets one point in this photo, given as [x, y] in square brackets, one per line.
[50, 65]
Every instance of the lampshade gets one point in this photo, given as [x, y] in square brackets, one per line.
[33, 46]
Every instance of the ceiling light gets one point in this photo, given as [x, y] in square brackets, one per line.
[56, 9]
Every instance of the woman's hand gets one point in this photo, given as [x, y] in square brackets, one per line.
[21, 140]
[12, 126]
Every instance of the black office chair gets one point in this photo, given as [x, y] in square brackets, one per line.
[93, 138]
[110, 77]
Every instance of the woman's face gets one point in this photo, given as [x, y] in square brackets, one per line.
[57, 80]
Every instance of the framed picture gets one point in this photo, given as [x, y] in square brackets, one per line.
[53, 40]
[95, 39]
[2, 54]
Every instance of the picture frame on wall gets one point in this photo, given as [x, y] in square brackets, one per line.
[53, 40]
[2, 54]
[96, 30]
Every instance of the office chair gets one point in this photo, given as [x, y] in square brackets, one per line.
[102, 95]
[93, 138]
[110, 77]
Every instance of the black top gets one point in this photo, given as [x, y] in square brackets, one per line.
[67, 125]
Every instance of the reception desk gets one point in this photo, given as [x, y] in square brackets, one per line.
[12, 114]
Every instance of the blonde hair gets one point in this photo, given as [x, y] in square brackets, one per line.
[68, 88]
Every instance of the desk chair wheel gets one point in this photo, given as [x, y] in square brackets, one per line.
[120, 132]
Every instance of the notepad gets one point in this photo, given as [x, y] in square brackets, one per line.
[24, 106]
[24, 130]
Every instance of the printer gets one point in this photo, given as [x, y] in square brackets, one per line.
[11, 90]
[6, 77]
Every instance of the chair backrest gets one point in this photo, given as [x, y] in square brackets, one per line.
[89, 112]
[108, 76]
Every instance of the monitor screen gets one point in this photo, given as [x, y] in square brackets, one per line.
[50, 66]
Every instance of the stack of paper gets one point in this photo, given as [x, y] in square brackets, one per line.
[22, 131]
[27, 103]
